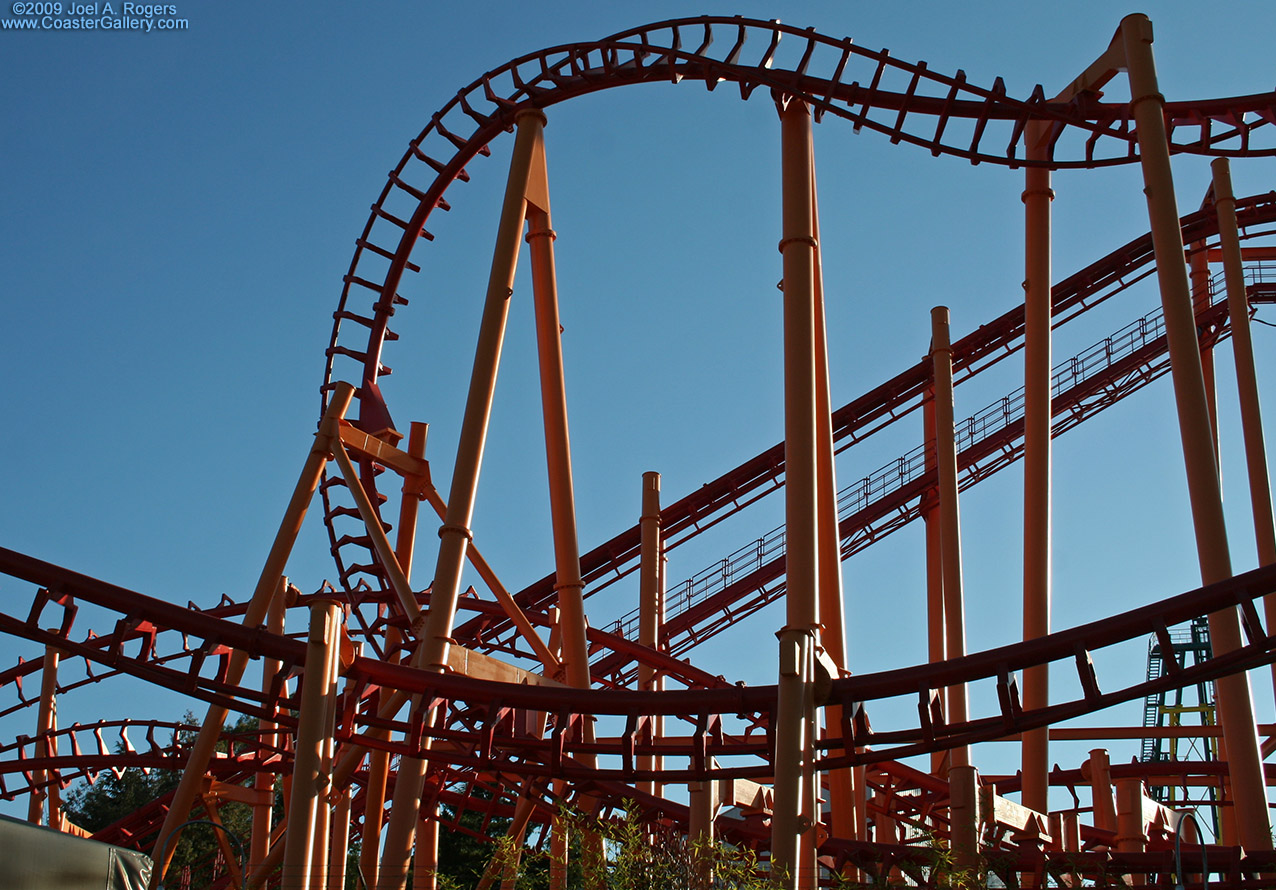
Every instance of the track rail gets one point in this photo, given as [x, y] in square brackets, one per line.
[482, 728]
[858, 420]
[885, 501]
[482, 724]
[904, 101]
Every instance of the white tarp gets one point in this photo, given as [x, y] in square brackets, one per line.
[36, 858]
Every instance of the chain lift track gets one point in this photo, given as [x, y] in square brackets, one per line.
[498, 748]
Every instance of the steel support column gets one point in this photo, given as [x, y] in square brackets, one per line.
[936, 644]
[425, 858]
[309, 779]
[378, 774]
[651, 612]
[847, 820]
[562, 498]
[267, 585]
[1037, 196]
[793, 770]
[558, 847]
[1199, 283]
[1131, 829]
[44, 786]
[454, 536]
[1260, 491]
[379, 761]
[1100, 774]
[259, 840]
[340, 841]
[574, 644]
[1235, 706]
[941, 353]
[964, 815]
[702, 800]
[321, 863]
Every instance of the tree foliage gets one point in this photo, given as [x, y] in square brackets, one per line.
[115, 796]
[635, 854]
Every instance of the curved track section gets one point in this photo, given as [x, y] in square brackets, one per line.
[491, 742]
[486, 720]
[907, 102]
[483, 728]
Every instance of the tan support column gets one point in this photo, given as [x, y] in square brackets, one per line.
[791, 826]
[425, 861]
[340, 835]
[562, 498]
[309, 781]
[432, 649]
[949, 517]
[846, 819]
[44, 787]
[267, 584]
[963, 809]
[379, 761]
[793, 773]
[1100, 774]
[1037, 196]
[811, 815]
[1235, 706]
[936, 645]
[259, 840]
[558, 847]
[321, 858]
[702, 797]
[1066, 829]
[1260, 490]
[651, 611]
[1131, 830]
[1199, 279]
[414, 488]
[351, 756]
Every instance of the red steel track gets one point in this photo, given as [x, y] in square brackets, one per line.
[485, 740]
[830, 76]
[479, 738]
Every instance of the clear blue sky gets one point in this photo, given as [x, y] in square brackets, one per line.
[179, 209]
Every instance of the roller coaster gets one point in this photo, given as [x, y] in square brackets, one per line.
[406, 710]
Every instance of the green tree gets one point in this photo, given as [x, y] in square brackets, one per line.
[638, 856]
[114, 796]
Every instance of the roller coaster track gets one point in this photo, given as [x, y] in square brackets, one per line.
[873, 411]
[894, 495]
[1133, 358]
[907, 102]
[481, 726]
[907, 795]
[485, 720]
[489, 729]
